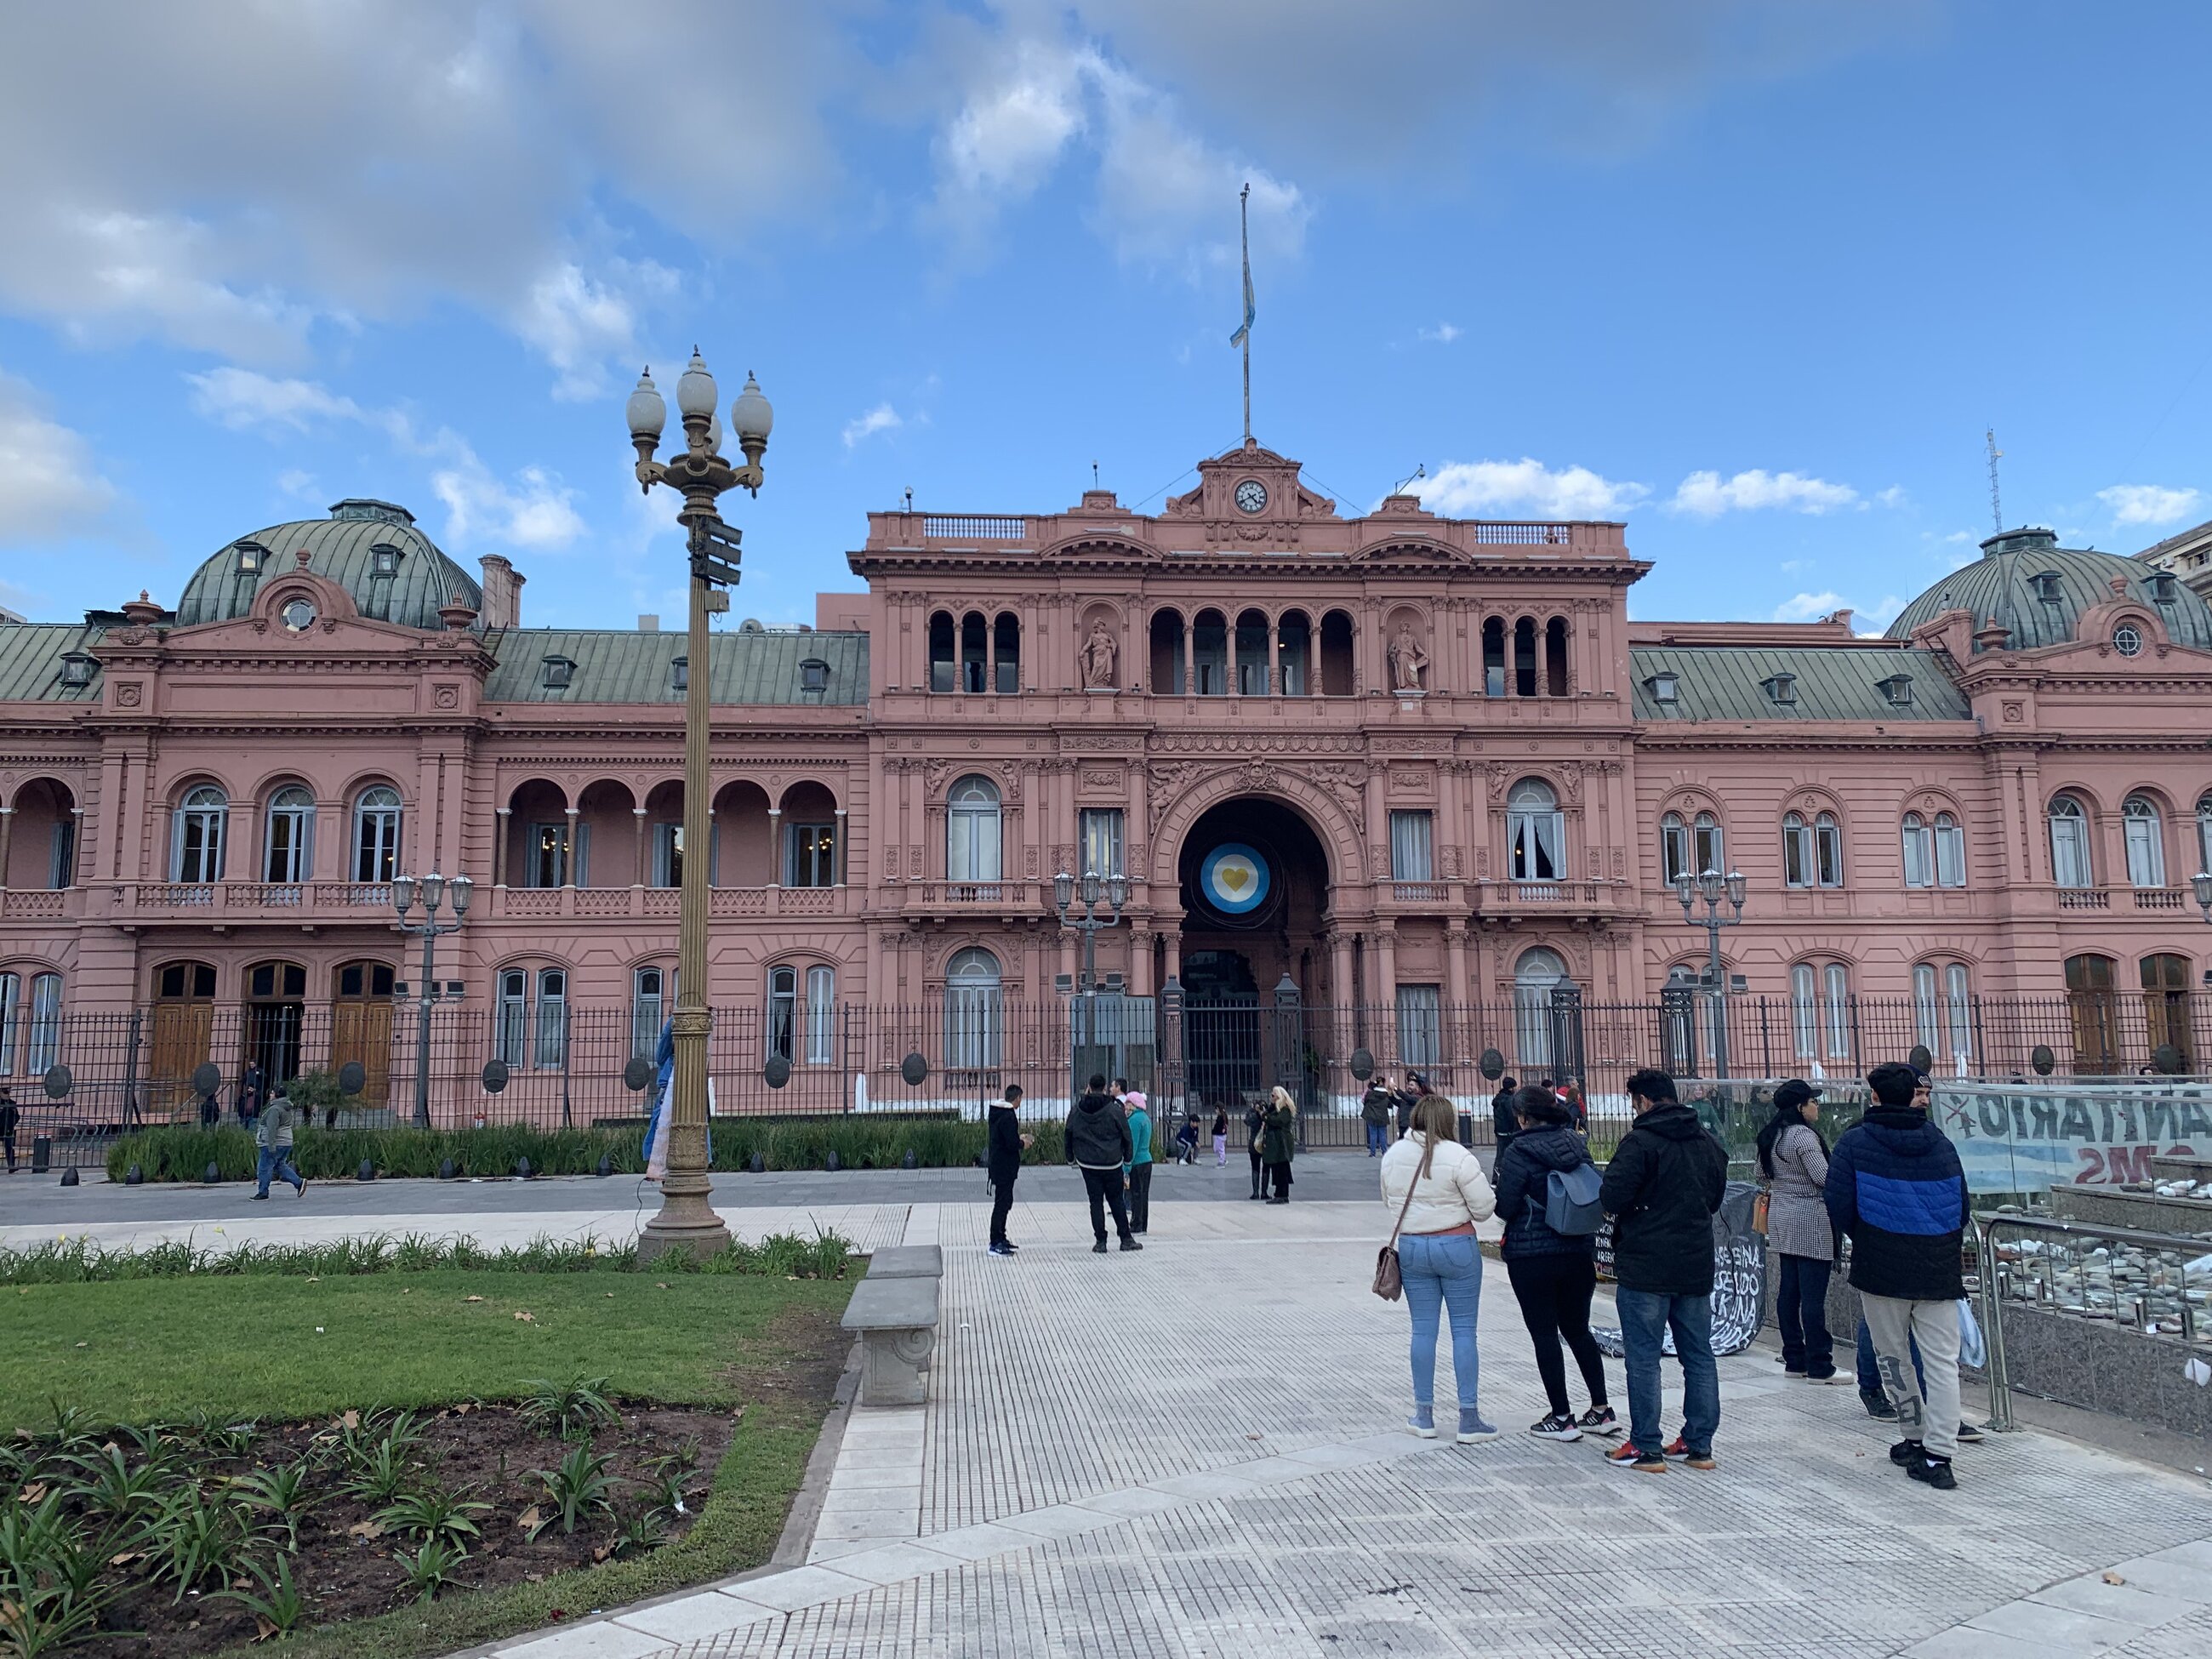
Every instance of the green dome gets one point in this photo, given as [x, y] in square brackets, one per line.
[371, 549]
[2039, 590]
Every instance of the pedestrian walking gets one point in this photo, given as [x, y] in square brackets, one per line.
[1279, 1142]
[10, 1115]
[1098, 1145]
[1793, 1155]
[1896, 1187]
[1438, 1188]
[1662, 1188]
[1220, 1137]
[1004, 1143]
[272, 1135]
[1139, 1172]
[1375, 1112]
[1255, 1120]
[1504, 1116]
[1552, 1273]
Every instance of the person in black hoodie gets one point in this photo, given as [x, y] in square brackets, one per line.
[1004, 1144]
[1504, 1117]
[1666, 1181]
[1099, 1144]
[1552, 1274]
[1896, 1186]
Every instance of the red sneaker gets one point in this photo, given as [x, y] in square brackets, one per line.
[1625, 1456]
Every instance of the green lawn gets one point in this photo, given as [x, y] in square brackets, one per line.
[277, 1347]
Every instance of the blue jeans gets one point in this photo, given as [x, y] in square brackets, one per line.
[276, 1161]
[1443, 1270]
[1646, 1317]
[1870, 1372]
[1378, 1138]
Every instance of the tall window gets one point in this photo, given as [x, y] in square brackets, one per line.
[782, 1012]
[1706, 844]
[822, 1015]
[1535, 834]
[1421, 1026]
[545, 856]
[667, 854]
[1950, 852]
[2204, 832]
[1836, 995]
[1673, 849]
[11, 996]
[290, 842]
[1412, 857]
[809, 855]
[1821, 1009]
[376, 835]
[196, 849]
[2145, 833]
[971, 831]
[1805, 1011]
[972, 1013]
[1958, 1015]
[1102, 842]
[45, 1046]
[646, 1004]
[2166, 1006]
[1812, 853]
[1537, 970]
[552, 1018]
[1796, 852]
[2070, 844]
[1919, 854]
[61, 865]
[1942, 1013]
[513, 1015]
[1828, 850]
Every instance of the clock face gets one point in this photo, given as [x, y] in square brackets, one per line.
[1251, 496]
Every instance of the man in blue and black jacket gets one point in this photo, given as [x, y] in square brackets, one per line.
[1895, 1186]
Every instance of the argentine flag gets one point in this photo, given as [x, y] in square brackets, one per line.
[1250, 310]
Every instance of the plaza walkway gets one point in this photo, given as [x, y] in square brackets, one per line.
[1193, 1453]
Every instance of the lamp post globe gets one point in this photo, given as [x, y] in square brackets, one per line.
[696, 394]
[402, 894]
[647, 411]
[460, 889]
[434, 892]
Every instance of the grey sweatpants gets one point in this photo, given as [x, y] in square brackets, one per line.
[1894, 1324]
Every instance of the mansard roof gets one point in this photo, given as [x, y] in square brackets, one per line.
[31, 661]
[1832, 682]
[611, 666]
[341, 548]
[2007, 583]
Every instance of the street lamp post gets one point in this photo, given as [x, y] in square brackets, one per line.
[434, 889]
[2201, 883]
[1091, 891]
[1713, 887]
[700, 474]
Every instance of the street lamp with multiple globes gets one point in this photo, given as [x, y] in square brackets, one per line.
[1113, 892]
[434, 889]
[2201, 884]
[1713, 887]
[700, 474]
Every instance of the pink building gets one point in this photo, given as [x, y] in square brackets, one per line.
[1426, 767]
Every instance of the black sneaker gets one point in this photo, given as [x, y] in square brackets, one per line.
[1969, 1434]
[1935, 1472]
[1878, 1407]
[1905, 1452]
[1002, 1249]
[1599, 1419]
[1127, 1244]
[1099, 1248]
[1558, 1426]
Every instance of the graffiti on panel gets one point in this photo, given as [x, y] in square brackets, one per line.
[2019, 1138]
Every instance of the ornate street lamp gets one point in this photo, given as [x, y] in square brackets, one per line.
[433, 889]
[1713, 887]
[2200, 883]
[700, 475]
[1091, 891]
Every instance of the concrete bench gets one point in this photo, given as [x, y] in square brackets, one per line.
[907, 1261]
[897, 1321]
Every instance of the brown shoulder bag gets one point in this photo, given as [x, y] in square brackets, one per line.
[1389, 1282]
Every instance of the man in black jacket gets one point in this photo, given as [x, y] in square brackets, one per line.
[1662, 1189]
[1504, 1115]
[1004, 1144]
[1099, 1144]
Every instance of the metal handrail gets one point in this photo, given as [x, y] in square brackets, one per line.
[1997, 1373]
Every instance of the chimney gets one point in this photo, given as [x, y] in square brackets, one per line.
[502, 592]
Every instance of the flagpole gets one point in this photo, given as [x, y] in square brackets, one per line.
[1244, 236]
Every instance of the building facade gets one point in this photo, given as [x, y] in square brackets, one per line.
[1409, 764]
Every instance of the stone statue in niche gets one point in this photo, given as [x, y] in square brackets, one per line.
[1098, 659]
[1408, 662]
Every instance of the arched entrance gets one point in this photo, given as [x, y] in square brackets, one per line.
[1254, 883]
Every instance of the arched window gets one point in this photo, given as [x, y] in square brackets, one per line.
[1706, 847]
[975, 651]
[647, 1000]
[1950, 851]
[1535, 833]
[1796, 852]
[1493, 657]
[11, 1009]
[1555, 657]
[1673, 849]
[1007, 651]
[971, 831]
[2070, 865]
[376, 835]
[941, 671]
[2095, 1007]
[196, 845]
[1919, 854]
[1804, 1011]
[1821, 1009]
[782, 1012]
[514, 1016]
[972, 1015]
[1255, 678]
[1942, 1013]
[552, 1018]
[2145, 833]
[1812, 853]
[1828, 850]
[2166, 1006]
[821, 1016]
[45, 1044]
[1524, 657]
[1534, 976]
[289, 841]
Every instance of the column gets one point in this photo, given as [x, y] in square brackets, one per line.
[1274, 658]
[775, 847]
[837, 851]
[638, 870]
[1189, 654]
[1140, 962]
[1136, 828]
[1313, 654]
[1375, 853]
[568, 850]
[499, 847]
[1342, 991]
[1173, 965]
[1386, 981]
[1454, 992]
[8, 840]
[77, 846]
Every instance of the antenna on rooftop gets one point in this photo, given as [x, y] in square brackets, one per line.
[1996, 508]
[1094, 475]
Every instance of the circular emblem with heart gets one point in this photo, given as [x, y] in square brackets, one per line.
[1234, 879]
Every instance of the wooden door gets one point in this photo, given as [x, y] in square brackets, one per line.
[182, 1038]
[2166, 1006]
[2089, 996]
[360, 1029]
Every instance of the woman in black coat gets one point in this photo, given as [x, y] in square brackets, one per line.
[1552, 1274]
[1255, 1120]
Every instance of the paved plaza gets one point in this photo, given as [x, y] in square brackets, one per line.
[1193, 1453]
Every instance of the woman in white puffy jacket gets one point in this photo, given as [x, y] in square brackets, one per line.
[1440, 1186]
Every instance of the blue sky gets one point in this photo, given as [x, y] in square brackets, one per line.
[1756, 276]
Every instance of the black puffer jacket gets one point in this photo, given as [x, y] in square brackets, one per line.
[1523, 1181]
[1098, 1134]
[1002, 1160]
[1662, 1188]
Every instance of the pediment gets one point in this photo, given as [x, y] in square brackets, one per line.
[1412, 551]
[1099, 545]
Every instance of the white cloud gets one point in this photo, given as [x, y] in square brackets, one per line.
[1443, 333]
[1893, 496]
[300, 485]
[882, 418]
[1812, 607]
[2150, 503]
[1708, 495]
[246, 401]
[578, 324]
[50, 485]
[535, 512]
[1463, 489]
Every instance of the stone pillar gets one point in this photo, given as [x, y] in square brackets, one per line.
[1313, 655]
[1189, 656]
[1140, 962]
[568, 850]
[1174, 965]
[638, 870]
[77, 846]
[1342, 991]
[1274, 658]
[505, 814]
[1386, 980]
[1455, 966]
[1136, 827]
[8, 842]
[775, 847]
[837, 852]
